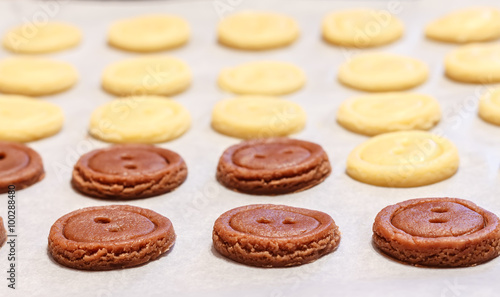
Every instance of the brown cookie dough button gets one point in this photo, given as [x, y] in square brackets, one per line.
[440, 232]
[273, 166]
[129, 171]
[3, 233]
[19, 166]
[269, 235]
[110, 237]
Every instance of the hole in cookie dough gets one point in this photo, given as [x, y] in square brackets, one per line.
[2, 156]
[126, 157]
[130, 166]
[263, 221]
[438, 221]
[439, 210]
[288, 221]
[288, 152]
[101, 220]
[259, 156]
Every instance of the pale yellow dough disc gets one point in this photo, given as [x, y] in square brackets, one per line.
[262, 78]
[43, 38]
[149, 33]
[388, 112]
[403, 159]
[26, 119]
[257, 117]
[474, 63]
[151, 75]
[257, 30]
[379, 72]
[489, 107]
[361, 28]
[467, 25]
[142, 119]
[35, 76]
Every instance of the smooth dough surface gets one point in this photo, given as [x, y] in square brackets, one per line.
[141, 119]
[253, 30]
[43, 38]
[26, 119]
[388, 112]
[361, 28]
[262, 78]
[474, 63]
[148, 75]
[403, 159]
[149, 33]
[467, 25]
[489, 107]
[35, 76]
[257, 117]
[379, 72]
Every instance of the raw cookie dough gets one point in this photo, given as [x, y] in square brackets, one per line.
[149, 33]
[148, 75]
[3, 233]
[143, 119]
[262, 78]
[129, 171]
[403, 159]
[42, 38]
[267, 235]
[253, 30]
[110, 237]
[20, 166]
[489, 107]
[35, 77]
[257, 117]
[379, 72]
[26, 119]
[466, 25]
[438, 232]
[388, 112]
[474, 63]
[273, 166]
[361, 28]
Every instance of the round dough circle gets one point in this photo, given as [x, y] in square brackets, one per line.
[149, 33]
[35, 77]
[24, 119]
[257, 30]
[403, 159]
[489, 107]
[379, 72]
[43, 38]
[143, 119]
[151, 75]
[388, 112]
[361, 28]
[262, 78]
[467, 25]
[257, 117]
[474, 63]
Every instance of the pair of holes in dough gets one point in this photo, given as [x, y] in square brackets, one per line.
[438, 220]
[126, 157]
[266, 221]
[261, 156]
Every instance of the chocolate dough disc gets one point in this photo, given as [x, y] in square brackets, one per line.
[19, 166]
[439, 232]
[129, 171]
[110, 237]
[273, 166]
[3, 233]
[269, 235]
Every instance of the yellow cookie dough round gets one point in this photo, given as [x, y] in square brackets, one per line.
[262, 78]
[149, 33]
[379, 72]
[361, 28]
[467, 25]
[489, 107]
[257, 117]
[148, 75]
[388, 112]
[253, 30]
[43, 38]
[141, 119]
[474, 63]
[26, 119]
[403, 159]
[35, 76]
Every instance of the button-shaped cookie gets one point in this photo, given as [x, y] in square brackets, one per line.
[20, 166]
